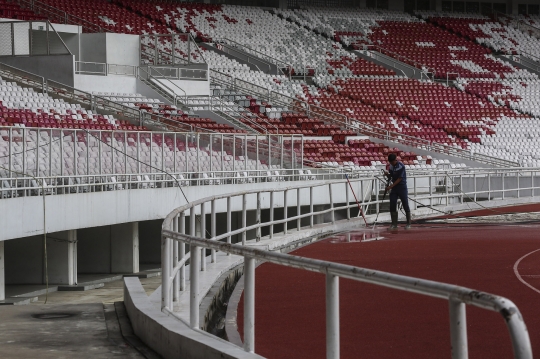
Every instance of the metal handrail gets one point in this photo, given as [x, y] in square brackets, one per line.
[226, 109]
[106, 69]
[159, 83]
[25, 76]
[21, 186]
[399, 57]
[298, 105]
[157, 52]
[265, 57]
[60, 15]
[174, 281]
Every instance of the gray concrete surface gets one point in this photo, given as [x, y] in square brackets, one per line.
[91, 328]
[61, 331]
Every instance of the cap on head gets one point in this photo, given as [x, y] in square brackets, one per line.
[392, 157]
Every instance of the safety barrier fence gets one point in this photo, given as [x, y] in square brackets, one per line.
[339, 200]
[73, 151]
[104, 69]
[169, 49]
[96, 103]
[30, 38]
[282, 67]
[440, 187]
[58, 16]
[299, 106]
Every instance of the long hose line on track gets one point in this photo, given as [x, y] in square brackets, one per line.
[479, 223]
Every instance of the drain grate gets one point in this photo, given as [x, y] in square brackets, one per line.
[52, 315]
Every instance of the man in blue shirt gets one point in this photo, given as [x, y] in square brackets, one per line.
[398, 189]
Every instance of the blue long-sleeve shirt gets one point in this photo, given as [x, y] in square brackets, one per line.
[398, 171]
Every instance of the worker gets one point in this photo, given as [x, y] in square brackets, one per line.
[398, 189]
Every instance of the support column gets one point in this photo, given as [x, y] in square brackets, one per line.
[125, 248]
[2, 271]
[62, 257]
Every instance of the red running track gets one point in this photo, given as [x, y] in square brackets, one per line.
[378, 322]
[524, 208]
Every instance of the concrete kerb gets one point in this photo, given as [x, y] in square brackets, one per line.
[169, 337]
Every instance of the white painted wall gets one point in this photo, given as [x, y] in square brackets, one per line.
[122, 49]
[111, 83]
[199, 88]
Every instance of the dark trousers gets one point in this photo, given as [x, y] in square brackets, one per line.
[402, 193]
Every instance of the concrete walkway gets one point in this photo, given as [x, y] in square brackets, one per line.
[72, 325]
[60, 331]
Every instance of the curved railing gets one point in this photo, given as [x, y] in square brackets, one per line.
[338, 195]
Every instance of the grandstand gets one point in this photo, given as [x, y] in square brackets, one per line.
[194, 142]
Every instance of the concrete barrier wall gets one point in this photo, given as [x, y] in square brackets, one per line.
[170, 337]
[59, 68]
[23, 217]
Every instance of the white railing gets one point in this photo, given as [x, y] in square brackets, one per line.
[441, 187]
[104, 69]
[175, 238]
[58, 152]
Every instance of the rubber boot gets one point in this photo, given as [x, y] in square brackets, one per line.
[408, 225]
[394, 216]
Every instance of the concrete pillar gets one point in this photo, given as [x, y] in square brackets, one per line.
[125, 248]
[283, 4]
[150, 243]
[62, 257]
[2, 277]
[513, 8]
[438, 5]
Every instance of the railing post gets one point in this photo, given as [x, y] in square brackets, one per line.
[376, 184]
[446, 188]
[258, 215]
[489, 186]
[285, 211]
[271, 214]
[182, 249]
[502, 184]
[298, 221]
[165, 273]
[244, 218]
[332, 213]
[194, 287]
[458, 329]
[332, 316]
[311, 217]
[517, 178]
[249, 304]
[202, 223]
[228, 220]
[347, 200]
[213, 228]
[176, 282]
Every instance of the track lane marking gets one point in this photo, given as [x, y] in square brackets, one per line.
[516, 271]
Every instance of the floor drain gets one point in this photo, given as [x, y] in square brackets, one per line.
[52, 315]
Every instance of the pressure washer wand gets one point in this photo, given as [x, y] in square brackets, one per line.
[354, 194]
[384, 196]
